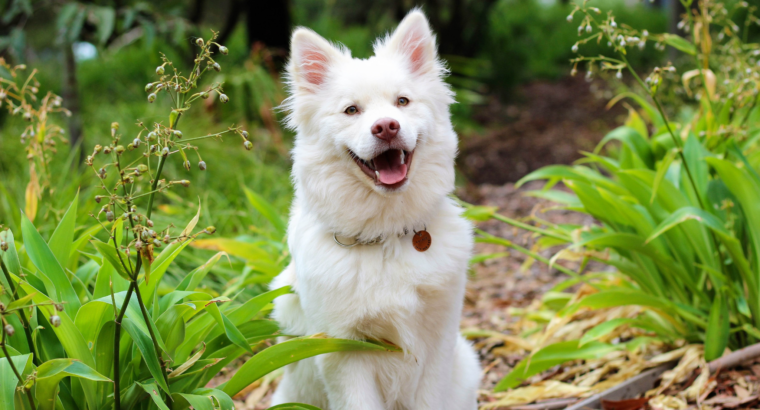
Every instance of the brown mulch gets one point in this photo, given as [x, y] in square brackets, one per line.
[549, 123]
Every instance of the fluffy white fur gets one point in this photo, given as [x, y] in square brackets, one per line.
[387, 291]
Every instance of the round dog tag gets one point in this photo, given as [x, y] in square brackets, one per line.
[421, 241]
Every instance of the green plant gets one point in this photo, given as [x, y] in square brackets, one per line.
[62, 341]
[677, 200]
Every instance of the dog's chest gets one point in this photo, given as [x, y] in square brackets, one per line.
[378, 290]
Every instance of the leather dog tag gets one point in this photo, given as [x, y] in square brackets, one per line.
[421, 241]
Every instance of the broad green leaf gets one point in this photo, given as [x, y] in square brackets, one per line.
[223, 400]
[680, 43]
[105, 19]
[42, 257]
[80, 242]
[8, 380]
[619, 297]
[91, 318]
[648, 108]
[633, 139]
[603, 329]
[20, 302]
[117, 259]
[152, 390]
[267, 210]
[232, 332]
[63, 238]
[747, 191]
[716, 338]
[551, 356]
[194, 278]
[104, 347]
[291, 351]
[159, 267]
[182, 401]
[107, 277]
[50, 373]
[145, 345]
[661, 171]
[70, 338]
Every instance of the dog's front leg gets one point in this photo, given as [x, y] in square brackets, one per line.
[350, 380]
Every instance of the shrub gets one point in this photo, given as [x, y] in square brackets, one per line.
[529, 40]
[676, 200]
[62, 344]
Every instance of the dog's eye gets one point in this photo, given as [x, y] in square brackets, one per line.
[351, 110]
[403, 101]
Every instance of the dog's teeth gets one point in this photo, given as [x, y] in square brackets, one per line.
[402, 157]
[377, 174]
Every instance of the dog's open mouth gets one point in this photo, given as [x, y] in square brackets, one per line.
[388, 169]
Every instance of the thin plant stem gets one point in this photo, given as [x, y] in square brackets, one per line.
[116, 347]
[15, 371]
[152, 335]
[27, 329]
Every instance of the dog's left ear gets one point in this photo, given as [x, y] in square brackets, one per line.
[414, 40]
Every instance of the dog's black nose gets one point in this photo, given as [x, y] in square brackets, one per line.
[386, 129]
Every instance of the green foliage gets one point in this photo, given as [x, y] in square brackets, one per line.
[677, 200]
[529, 40]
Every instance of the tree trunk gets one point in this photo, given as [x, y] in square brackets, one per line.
[268, 22]
[71, 101]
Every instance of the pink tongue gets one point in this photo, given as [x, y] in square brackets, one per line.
[390, 168]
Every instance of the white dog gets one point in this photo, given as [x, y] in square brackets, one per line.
[379, 250]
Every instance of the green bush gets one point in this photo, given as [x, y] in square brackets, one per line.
[678, 201]
[529, 40]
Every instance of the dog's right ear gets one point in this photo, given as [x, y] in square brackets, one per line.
[310, 59]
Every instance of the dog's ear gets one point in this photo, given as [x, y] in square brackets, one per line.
[310, 58]
[414, 40]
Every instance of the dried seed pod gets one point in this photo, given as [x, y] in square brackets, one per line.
[160, 70]
[119, 149]
[204, 95]
[3, 246]
[199, 42]
[151, 97]
[107, 150]
[223, 50]
[97, 148]
[149, 87]
[109, 216]
[202, 165]
[152, 136]
[142, 168]
[9, 330]
[177, 133]
[223, 98]
[156, 243]
[185, 183]
[244, 134]
[165, 151]
[55, 320]
[149, 223]
[216, 67]
[248, 145]
[98, 198]
[167, 238]
[186, 164]
[136, 142]
[210, 229]
[59, 307]
[139, 244]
